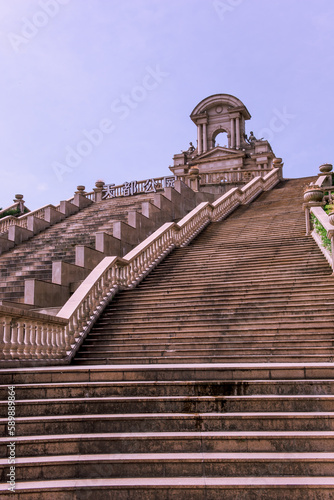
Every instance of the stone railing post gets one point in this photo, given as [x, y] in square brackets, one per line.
[98, 190]
[19, 199]
[193, 178]
[330, 234]
[278, 163]
[307, 218]
[80, 190]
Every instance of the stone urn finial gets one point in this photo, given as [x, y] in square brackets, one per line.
[18, 197]
[325, 168]
[99, 184]
[80, 190]
[313, 193]
[194, 170]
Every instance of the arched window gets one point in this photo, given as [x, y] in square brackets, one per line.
[220, 139]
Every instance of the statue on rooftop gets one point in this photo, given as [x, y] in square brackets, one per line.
[251, 139]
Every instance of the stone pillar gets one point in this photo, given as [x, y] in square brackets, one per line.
[278, 163]
[194, 178]
[332, 249]
[199, 139]
[307, 221]
[205, 138]
[232, 144]
[237, 132]
[19, 199]
[98, 190]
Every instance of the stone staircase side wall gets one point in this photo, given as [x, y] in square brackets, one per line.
[110, 245]
[17, 234]
[5, 243]
[36, 225]
[172, 204]
[39, 292]
[53, 216]
[68, 208]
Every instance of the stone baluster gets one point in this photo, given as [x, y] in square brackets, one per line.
[27, 353]
[20, 339]
[48, 335]
[14, 342]
[61, 351]
[44, 339]
[38, 342]
[68, 334]
[6, 328]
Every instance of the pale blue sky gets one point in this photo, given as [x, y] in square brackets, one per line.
[137, 68]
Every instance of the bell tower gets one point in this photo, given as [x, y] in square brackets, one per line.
[213, 167]
[220, 113]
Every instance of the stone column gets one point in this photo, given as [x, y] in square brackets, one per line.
[199, 139]
[237, 132]
[98, 190]
[232, 144]
[205, 138]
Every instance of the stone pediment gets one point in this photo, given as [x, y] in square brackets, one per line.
[219, 152]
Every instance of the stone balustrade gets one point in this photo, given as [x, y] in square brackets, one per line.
[40, 338]
[315, 208]
[231, 176]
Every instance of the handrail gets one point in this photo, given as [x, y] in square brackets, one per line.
[114, 273]
[319, 213]
[22, 220]
[11, 207]
[323, 219]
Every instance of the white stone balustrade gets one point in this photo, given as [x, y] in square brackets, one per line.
[21, 221]
[30, 335]
[33, 337]
[323, 218]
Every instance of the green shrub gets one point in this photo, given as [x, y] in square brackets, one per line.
[319, 228]
[13, 211]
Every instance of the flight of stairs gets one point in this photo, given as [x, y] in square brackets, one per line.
[212, 379]
[252, 288]
[33, 258]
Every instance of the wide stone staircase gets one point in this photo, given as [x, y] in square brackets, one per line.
[252, 288]
[212, 379]
[33, 258]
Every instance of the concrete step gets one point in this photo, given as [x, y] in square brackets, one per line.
[169, 372]
[164, 488]
[202, 464]
[91, 359]
[179, 404]
[165, 442]
[87, 389]
[173, 422]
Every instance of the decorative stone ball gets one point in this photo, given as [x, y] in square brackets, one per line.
[314, 195]
[325, 168]
[331, 218]
[99, 184]
[194, 171]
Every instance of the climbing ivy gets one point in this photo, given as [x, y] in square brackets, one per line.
[319, 228]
